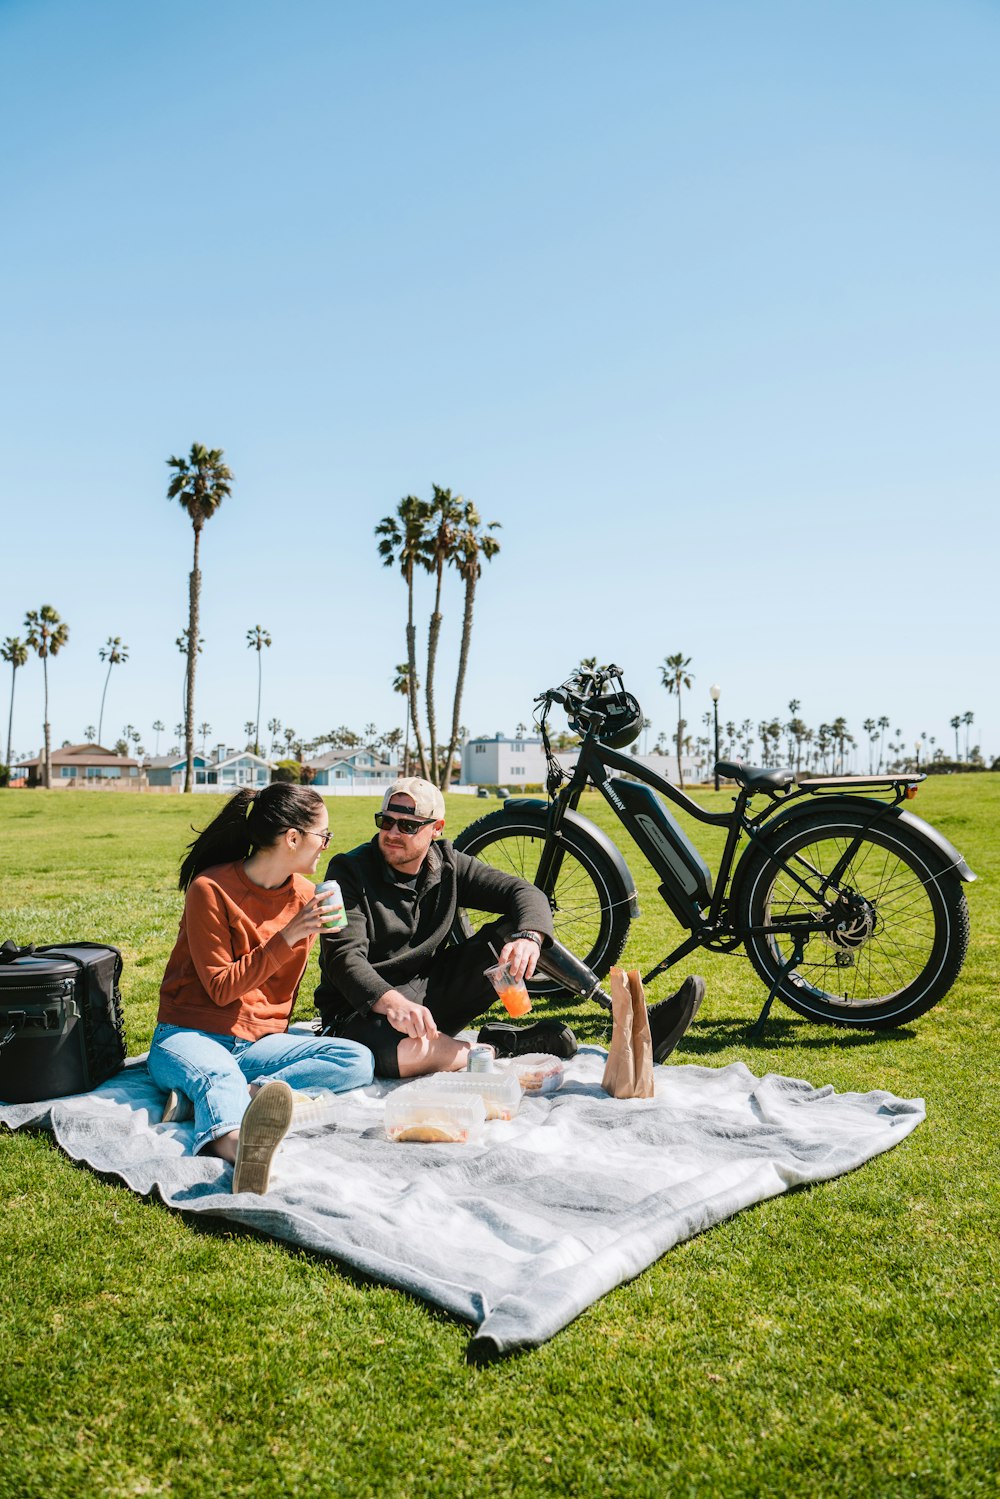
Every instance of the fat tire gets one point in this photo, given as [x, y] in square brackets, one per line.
[939, 908]
[588, 866]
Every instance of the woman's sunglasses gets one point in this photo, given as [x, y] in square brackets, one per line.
[406, 825]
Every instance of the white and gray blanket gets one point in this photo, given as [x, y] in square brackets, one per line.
[518, 1234]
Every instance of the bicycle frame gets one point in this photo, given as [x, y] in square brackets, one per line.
[706, 911]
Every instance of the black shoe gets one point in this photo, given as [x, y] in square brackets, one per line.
[669, 1019]
[518, 1040]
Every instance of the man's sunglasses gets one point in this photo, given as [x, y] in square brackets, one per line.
[406, 825]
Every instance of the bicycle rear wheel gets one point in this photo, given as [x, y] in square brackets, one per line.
[905, 926]
[590, 904]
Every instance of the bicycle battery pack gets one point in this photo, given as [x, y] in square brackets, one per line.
[662, 840]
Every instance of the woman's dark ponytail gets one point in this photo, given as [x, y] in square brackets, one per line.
[250, 819]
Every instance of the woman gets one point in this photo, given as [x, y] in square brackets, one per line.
[250, 917]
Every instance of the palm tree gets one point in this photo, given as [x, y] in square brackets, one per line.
[404, 541]
[869, 728]
[883, 724]
[158, 728]
[391, 742]
[257, 639]
[90, 733]
[249, 729]
[204, 729]
[401, 684]
[474, 545]
[47, 634]
[967, 720]
[15, 652]
[201, 483]
[115, 652]
[956, 724]
[823, 743]
[274, 729]
[675, 677]
[840, 737]
[444, 514]
[793, 708]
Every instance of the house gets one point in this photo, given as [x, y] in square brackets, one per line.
[520, 762]
[81, 765]
[225, 769]
[503, 762]
[343, 771]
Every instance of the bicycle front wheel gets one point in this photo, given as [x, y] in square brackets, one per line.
[904, 925]
[590, 904]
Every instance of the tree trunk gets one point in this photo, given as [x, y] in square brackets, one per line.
[193, 602]
[433, 635]
[680, 731]
[100, 717]
[10, 719]
[406, 739]
[256, 731]
[47, 767]
[411, 659]
[463, 661]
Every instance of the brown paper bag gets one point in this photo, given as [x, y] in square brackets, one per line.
[619, 1073]
[629, 1069]
[642, 1041]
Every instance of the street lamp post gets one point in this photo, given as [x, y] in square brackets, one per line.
[715, 692]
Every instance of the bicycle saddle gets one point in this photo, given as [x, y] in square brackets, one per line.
[755, 777]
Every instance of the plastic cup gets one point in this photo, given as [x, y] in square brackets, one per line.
[513, 994]
[333, 901]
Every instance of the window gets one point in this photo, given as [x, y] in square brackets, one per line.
[480, 749]
[66, 771]
[517, 770]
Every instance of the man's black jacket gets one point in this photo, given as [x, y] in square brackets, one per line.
[394, 928]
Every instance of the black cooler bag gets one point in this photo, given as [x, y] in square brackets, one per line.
[61, 1027]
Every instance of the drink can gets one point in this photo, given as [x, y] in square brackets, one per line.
[481, 1058]
[331, 893]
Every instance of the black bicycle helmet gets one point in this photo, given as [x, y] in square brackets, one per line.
[622, 718]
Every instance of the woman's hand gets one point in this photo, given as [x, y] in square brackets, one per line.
[405, 1015]
[307, 922]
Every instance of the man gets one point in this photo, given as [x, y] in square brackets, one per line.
[391, 981]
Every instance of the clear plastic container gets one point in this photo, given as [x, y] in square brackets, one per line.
[537, 1071]
[500, 1091]
[434, 1117]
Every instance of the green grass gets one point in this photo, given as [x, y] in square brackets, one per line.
[840, 1340]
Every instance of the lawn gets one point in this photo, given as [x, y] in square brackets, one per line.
[837, 1340]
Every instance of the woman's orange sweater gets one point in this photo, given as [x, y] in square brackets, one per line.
[231, 971]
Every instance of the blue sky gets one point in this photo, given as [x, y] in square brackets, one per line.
[699, 301]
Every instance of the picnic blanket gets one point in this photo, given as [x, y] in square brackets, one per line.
[518, 1234]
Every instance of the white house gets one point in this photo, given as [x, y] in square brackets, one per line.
[520, 762]
[503, 762]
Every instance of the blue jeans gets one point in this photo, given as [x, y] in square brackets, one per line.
[214, 1071]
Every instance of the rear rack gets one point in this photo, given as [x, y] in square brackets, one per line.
[905, 784]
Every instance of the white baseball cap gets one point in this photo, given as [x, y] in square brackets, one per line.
[427, 799]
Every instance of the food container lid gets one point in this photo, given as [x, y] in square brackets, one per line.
[536, 1071]
[500, 1091]
[433, 1116]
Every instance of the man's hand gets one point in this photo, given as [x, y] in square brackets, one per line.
[405, 1015]
[521, 957]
